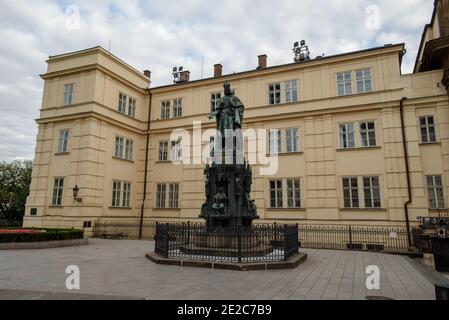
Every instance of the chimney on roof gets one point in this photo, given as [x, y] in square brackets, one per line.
[147, 73]
[184, 76]
[218, 70]
[262, 61]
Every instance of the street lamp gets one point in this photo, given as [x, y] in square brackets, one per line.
[75, 194]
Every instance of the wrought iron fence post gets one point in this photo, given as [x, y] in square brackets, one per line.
[166, 240]
[285, 242]
[239, 243]
[350, 237]
[188, 232]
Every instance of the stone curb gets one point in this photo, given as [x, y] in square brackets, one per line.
[43, 244]
[291, 263]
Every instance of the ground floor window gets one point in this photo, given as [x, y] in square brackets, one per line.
[167, 201]
[288, 189]
[58, 191]
[121, 194]
[435, 192]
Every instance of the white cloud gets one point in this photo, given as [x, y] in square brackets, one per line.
[158, 35]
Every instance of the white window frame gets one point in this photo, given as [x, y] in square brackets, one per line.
[58, 191]
[353, 192]
[274, 89]
[428, 128]
[132, 103]
[69, 89]
[344, 82]
[173, 195]
[344, 135]
[161, 195]
[293, 193]
[163, 151]
[122, 101]
[365, 78]
[291, 91]
[278, 193]
[63, 140]
[177, 108]
[291, 140]
[121, 194]
[274, 141]
[176, 150]
[165, 109]
[215, 98]
[373, 191]
[367, 132]
[436, 191]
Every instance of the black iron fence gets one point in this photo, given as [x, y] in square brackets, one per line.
[259, 243]
[370, 238]
[123, 230]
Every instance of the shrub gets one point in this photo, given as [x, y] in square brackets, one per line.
[50, 234]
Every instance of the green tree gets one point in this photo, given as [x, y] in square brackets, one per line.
[15, 179]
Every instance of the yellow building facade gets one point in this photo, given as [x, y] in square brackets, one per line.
[337, 127]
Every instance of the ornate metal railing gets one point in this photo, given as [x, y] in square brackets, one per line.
[370, 238]
[259, 243]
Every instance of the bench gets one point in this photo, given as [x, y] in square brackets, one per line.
[116, 235]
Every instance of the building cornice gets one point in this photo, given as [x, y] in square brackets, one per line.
[101, 50]
[92, 67]
[397, 48]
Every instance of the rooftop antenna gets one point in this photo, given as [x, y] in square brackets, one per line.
[301, 51]
[109, 47]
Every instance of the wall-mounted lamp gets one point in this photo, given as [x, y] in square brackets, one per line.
[75, 194]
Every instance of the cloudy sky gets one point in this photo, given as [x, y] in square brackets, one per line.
[158, 35]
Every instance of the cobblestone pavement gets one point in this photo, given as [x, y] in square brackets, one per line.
[119, 268]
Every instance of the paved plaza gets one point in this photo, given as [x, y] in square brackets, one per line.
[119, 268]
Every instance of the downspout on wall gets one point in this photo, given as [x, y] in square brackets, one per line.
[407, 170]
[146, 167]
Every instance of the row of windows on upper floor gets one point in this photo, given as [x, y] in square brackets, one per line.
[278, 93]
[364, 130]
[360, 134]
[126, 104]
[357, 192]
[283, 92]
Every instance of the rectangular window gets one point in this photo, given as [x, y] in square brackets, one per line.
[122, 102]
[116, 193]
[163, 151]
[214, 100]
[129, 145]
[435, 191]
[274, 93]
[274, 141]
[160, 196]
[276, 193]
[177, 108]
[58, 191]
[371, 190]
[293, 193]
[132, 107]
[364, 81]
[291, 139]
[126, 195]
[63, 141]
[173, 195]
[344, 83]
[165, 109]
[291, 91]
[118, 150]
[347, 136]
[427, 128]
[368, 134]
[176, 150]
[350, 192]
[68, 93]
